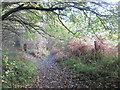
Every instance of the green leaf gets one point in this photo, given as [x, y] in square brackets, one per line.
[33, 4]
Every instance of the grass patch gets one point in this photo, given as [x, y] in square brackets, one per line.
[101, 73]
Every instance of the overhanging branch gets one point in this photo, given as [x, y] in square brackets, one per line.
[65, 26]
[22, 7]
[19, 8]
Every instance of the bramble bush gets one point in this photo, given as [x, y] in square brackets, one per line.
[18, 71]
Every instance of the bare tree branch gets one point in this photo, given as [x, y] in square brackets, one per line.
[93, 29]
[65, 26]
[102, 23]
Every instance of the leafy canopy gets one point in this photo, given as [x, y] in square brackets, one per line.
[63, 19]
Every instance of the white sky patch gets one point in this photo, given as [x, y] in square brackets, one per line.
[109, 1]
[112, 1]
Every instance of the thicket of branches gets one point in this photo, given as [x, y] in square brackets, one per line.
[96, 16]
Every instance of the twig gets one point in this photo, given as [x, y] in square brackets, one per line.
[93, 29]
[65, 26]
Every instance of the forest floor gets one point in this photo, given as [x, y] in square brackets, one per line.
[51, 75]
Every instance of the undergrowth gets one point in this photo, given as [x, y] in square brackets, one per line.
[18, 71]
[101, 73]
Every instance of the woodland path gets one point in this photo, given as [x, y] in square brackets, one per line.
[52, 76]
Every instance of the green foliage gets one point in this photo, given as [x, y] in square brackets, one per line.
[102, 73]
[30, 36]
[55, 28]
[80, 22]
[18, 71]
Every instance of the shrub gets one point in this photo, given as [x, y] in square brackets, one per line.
[103, 73]
[18, 71]
[78, 47]
[98, 48]
[96, 63]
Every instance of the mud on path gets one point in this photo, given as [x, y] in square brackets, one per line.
[51, 75]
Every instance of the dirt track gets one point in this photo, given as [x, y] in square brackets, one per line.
[52, 76]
